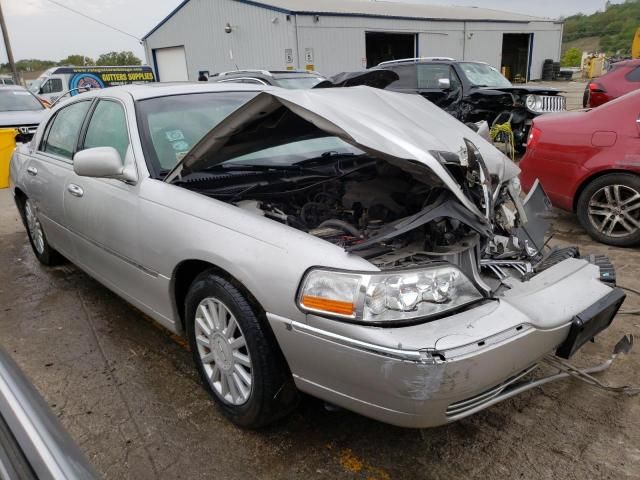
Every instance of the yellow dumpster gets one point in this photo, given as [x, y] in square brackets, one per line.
[7, 145]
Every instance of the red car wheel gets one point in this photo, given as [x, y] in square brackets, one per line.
[609, 209]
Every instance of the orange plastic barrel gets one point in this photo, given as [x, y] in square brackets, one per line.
[7, 145]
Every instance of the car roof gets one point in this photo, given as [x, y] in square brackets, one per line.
[425, 61]
[161, 89]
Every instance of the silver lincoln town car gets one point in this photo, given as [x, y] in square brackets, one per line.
[355, 244]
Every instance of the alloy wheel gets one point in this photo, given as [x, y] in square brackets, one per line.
[223, 351]
[614, 210]
[34, 226]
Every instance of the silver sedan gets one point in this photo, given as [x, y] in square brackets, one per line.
[356, 244]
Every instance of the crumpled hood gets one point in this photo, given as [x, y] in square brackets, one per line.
[396, 127]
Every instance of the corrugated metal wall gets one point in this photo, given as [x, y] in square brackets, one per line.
[260, 37]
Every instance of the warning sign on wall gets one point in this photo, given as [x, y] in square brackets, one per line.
[308, 55]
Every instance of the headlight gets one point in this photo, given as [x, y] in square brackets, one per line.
[534, 103]
[515, 184]
[375, 298]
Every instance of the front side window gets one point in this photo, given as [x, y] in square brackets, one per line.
[429, 76]
[483, 75]
[54, 85]
[170, 126]
[62, 133]
[108, 128]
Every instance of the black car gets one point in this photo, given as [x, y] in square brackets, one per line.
[293, 79]
[470, 91]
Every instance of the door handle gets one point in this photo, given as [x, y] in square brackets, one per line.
[32, 171]
[75, 190]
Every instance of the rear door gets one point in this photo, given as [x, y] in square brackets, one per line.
[48, 169]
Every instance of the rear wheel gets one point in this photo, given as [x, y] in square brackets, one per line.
[236, 355]
[43, 251]
[609, 209]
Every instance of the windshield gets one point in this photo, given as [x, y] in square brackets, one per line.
[298, 82]
[18, 100]
[171, 126]
[483, 75]
[295, 150]
[36, 84]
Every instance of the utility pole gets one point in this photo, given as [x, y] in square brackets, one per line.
[7, 45]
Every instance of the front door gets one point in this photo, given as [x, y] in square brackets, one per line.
[440, 84]
[102, 213]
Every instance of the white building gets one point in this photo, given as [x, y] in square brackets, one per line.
[333, 36]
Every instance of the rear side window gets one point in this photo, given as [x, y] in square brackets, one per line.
[633, 75]
[108, 128]
[53, 85]
[407, 80]
[62, 132]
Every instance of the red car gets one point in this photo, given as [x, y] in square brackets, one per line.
[589, 162]
[622, 78]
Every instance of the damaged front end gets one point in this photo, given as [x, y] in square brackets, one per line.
[387, 178]
[458, 279]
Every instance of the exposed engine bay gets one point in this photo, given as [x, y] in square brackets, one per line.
[399, 201]
[381, 212]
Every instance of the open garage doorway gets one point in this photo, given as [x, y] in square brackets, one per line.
[516, 48]
[382, 46]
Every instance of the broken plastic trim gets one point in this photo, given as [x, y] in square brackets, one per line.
[477, 166]
[513, 387]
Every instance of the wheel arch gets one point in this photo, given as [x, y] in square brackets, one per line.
[186, 272]
[586, 181]
[20, 198]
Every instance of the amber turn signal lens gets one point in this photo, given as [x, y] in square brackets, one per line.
[326, 305]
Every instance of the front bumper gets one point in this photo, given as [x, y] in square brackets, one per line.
[438, 372]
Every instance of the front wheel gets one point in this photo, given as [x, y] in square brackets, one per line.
[609, 209]
[236, 355]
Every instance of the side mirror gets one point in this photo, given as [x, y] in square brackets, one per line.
[101, 162]
[444, 83]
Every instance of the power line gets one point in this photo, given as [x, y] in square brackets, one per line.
[94, 19]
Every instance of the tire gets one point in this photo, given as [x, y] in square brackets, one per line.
[241, 367]
[44, 252]
[609, 209]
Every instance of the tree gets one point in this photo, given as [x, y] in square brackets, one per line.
[33, 65]
[571, 58]
[77, 61]
[118, 58]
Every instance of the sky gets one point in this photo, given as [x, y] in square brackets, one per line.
[42, 29]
